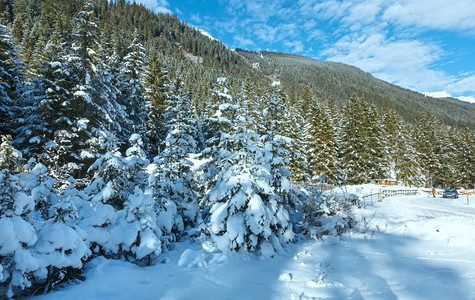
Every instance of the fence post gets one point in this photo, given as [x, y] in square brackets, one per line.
[380, 199]
[468, 200]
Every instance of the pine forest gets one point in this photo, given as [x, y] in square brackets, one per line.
[124, 131]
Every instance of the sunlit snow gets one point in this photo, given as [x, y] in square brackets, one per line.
[407, 247]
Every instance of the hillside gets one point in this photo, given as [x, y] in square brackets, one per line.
[182, 47]
[340, 81]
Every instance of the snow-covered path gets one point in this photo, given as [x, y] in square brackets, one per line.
[413, 248]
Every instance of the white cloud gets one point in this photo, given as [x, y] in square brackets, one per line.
[325, 10]
[467, 99]
[287, 30]
[364, 12]
[229, 26]
[462, 84]
[434, 14]
[257, 10]
[316, 34]
[265, 32]
[296, 46]
[195, 18]
[310, 24]
[366, 37]
[243, 42]
[234, 6]
[163, 10]
[403, 62]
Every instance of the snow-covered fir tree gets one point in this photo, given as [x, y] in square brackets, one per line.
[447, 174]
[157, 92]
[218, 131]
[295, 131]
[406, 160]
[42, 189]
[137, 160]
[243, 214]
[465, 162]
[115, 177]
[322, 152]
[426, 145]
[174, 178]
[49, 90]
[71, 84]
[276, 152]
[362, 149]
[18, 235]
[132, 87]
[11, 83]
[9, 166]
[245, 210]
[109, 174]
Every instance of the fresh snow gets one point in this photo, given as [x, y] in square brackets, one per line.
[406, 247]
[206, 34]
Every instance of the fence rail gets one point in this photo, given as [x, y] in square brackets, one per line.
[384, 193]
[379, 196]
[390, 193]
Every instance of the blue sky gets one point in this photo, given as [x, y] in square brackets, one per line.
[427, 46]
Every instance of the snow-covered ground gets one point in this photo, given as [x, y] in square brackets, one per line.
[410, 247]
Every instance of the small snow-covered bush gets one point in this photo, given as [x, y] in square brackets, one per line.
[42, 189]
[111, 180]
[60, 249]
[16, 239]
[136, 232]
[132, 233]
[40, 244]
[326, 213]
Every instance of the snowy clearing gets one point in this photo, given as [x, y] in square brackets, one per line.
[411, 247]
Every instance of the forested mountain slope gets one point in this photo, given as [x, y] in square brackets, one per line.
[33, 23]
[339, 81]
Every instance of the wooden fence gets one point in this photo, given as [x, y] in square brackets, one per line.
[391, 193]
[379, 196]
[384, 193]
